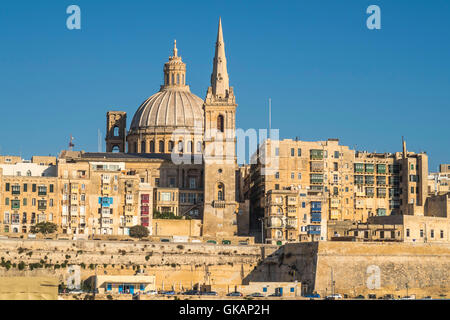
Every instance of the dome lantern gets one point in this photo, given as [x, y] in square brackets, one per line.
[175, 72]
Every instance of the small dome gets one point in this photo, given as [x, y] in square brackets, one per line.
[171, 107]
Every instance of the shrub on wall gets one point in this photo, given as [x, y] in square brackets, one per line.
[138, 232]
[44, 228]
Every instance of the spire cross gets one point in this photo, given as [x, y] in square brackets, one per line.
[175, 50]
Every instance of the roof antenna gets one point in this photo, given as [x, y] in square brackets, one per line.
[71, 145]
[270, 118]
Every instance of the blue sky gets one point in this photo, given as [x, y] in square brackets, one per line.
[327, 74]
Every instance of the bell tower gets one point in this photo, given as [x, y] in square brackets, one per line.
[116, 128]
[219, 218]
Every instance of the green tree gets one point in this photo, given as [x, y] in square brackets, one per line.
[44, 228]
[138, 232]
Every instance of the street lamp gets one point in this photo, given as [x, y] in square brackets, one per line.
[262, 229]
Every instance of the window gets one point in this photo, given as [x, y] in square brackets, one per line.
[277, 175]
[335, 166]
[33, 188]
[299, 176]
[407, 232]
[161, 146]
[15, 189]
[199, 147]
[381, 168]
[109, 287]
[6, 218]
[442, 234]
[152, 146]
[299, 152]
[292, 175]
[7, 187]
[292, 152]
[165, 196]
[277, 151]
[336, 154]
[52, 188]
[143, 147]
[432, 233]
[15, 204]
[369, 167]
[359, 167]
[42, 190]
[171, 143]
[220, 192]
[192, 183]
[277, 187]
[24, 201]
[42, 204]
[189, 147]
[220, 122]
[25, 187]
[421, 233]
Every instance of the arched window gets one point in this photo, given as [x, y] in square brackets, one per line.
[189, 147]
[171, 146]
[220, 123]
[152, 146]
[180, 146]
[143, 149]
[199, 147]
[178, 78]
[161, 146]
[173, 78]
[220, 192]
[116, 131]
[135, 147]
[116, 149]
[28, 173]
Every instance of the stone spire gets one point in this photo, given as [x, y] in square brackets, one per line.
[219, 77]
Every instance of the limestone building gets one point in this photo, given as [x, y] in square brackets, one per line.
[321, 182]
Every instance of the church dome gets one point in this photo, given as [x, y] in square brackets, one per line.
[173, 107]
[170, 107]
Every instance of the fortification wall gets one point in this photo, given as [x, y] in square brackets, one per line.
[174, 264]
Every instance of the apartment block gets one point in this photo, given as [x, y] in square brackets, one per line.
[347, 185]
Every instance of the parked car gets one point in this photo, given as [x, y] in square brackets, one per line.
[171, 293]
[191, 293]
[209, 293]
[312, 296]
[152, 292]
[76, 291]
[360, 297]
[276, 294]
[372, 296]
[388, 297]
[234, 294]
[335, 296]
[255, 295]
